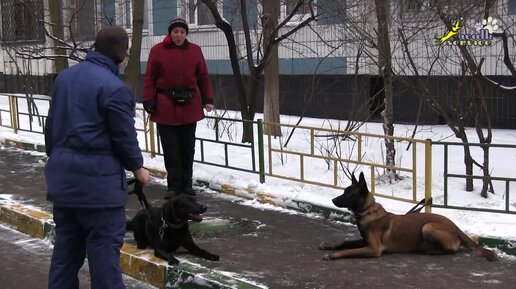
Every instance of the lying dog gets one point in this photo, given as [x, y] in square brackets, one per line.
[382, 231]
[165, 229]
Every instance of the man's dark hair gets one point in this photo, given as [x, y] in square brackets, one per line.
[113, 42]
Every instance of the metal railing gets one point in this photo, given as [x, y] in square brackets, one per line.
[35, 120]
[263, 154]
[152, 143]
[353, 158]
[447, 175]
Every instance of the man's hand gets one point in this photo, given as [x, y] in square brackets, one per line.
[209, 107]
[142, 175]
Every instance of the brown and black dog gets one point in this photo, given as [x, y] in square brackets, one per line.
[382, 231]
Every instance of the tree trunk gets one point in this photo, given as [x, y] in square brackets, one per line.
[132, 71]
[483, 120]
[252, 83]
[247, 87]
[61, 62]
[247, 132]
[385, 63]
[271, 110]
[468, 163]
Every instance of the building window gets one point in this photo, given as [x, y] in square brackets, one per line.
[79, 19]
[331, 12]
[22, 20]
[83, 26]
[198, 14]
[127, 11]
[511, 7]
[411, 6]
[108, 9]
[303, 12]
[291, 4]
[414, 10]
[233, 14]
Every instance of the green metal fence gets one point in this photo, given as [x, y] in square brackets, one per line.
[226, 144]
[13, 115]
[447, 175]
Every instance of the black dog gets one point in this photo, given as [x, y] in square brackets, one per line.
[165, 229]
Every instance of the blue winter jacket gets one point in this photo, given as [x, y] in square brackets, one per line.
[90, 136]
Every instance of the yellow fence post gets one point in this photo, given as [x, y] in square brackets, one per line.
[428, 173]
[152, 139]
[13, 109]
[373, 184]
[414, 171]
[359, 158]
[145, 125]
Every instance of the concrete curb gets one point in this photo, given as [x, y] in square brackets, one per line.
[23, 145]
[507, 246]
[139, 264]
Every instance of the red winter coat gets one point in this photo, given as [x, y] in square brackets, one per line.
[174, 67]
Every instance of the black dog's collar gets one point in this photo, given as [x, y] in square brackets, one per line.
[165, 225]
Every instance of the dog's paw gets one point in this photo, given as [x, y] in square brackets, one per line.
[326, 257]
[325, 246]
[172, 261]
[213, 257]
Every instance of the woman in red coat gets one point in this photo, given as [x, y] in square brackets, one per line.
[176, 89]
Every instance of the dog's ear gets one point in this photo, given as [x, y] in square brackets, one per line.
[362, 182]
[353, 179]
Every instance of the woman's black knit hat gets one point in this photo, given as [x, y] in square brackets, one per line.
[178, 22]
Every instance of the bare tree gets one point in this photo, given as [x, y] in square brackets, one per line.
[56, 22]
[247, 86]
[65, 44]
[271, 109]
[382, 8]
[132, 71]
[468, 104]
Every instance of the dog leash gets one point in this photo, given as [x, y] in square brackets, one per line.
[423, 203]
[138, 191]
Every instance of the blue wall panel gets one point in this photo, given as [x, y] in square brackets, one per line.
[308, 66]
[295, 66]
[230, 12]
[162, 12]
[511, 7]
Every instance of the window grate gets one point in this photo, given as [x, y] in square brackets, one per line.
[22, 21]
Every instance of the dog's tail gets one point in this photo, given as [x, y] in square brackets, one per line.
[129, 225]
[475, 248]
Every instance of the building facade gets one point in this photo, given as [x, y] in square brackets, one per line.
[324, 67]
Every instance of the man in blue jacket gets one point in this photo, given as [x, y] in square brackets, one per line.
[91, 140]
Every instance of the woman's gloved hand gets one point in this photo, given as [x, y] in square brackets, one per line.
[149, 105]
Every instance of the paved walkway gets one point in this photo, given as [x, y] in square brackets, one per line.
[25, 262]
[282, 253]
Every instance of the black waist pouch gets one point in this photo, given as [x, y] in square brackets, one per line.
[178, 95]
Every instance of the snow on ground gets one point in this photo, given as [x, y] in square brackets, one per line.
[502, 161]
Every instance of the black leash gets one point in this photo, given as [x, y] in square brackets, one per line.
[419, 206]
[138, 190]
